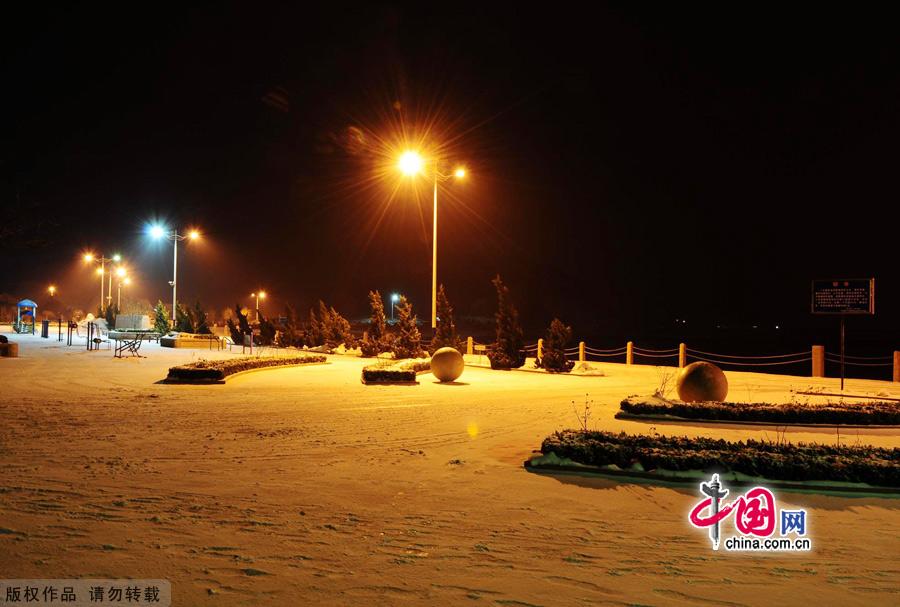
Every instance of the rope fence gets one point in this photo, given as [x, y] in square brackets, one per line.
[816, 357]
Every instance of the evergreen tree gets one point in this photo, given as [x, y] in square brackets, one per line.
[315, 335]
[160, 318]
[240, 328]
[553, 358]
[338, 331]
[445, 333]
[184, 323]
[110, 315]
[200, 322]
[290, 334]
[408, 337]
[507, 352]
[376, 339]
[266, 331]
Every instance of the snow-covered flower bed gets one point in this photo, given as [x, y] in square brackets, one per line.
[391, 371]
[860, 414]
[215, 370]
[777, 461]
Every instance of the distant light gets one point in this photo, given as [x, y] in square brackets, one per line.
[127, 280]
[117, 258]
[100, 271]
[120, 272]
[777, 327]
[411, 163]
[88, 257]
[253, 295]
[262, 294]
[52, 290]
[395, 297]
[460, 173]
[194, 234]
[157, 231]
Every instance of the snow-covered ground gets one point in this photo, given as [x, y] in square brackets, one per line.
[304, 486]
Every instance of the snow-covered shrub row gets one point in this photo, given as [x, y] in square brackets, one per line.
[219, 369]
[775, 461]
[868, 413]
[390, 371]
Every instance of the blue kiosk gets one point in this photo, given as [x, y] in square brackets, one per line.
[26, 311]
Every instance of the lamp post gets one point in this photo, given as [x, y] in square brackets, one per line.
[411, 163]
[258, 295]
[395, 297]
[90, 258]
[157, 232]
[123, 278]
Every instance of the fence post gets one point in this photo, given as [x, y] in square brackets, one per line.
[682, 355]
[581, 351]
[818, 361]
[540, 350]
[629, 353]
[896, 365]
[470, 346]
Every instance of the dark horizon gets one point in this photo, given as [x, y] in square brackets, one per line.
[628, 166]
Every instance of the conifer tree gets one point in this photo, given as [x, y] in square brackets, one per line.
[408, 337]
[266, 331]
[507, 351]
[376, 339]
[241, 328]
[201, 323]
[183, 321]
[553, 358]
[160, 318]
[445, 333]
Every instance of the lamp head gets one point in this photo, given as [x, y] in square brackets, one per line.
[459, 173]
[410, 163]
[194, 234]
[156, 231]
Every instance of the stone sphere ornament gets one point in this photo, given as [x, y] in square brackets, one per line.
[447, 364]
[702, 381]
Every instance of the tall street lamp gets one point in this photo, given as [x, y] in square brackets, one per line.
[123, 279]
[157, 232]
[91, 258]
[411, 163]
[258, 295]
[395, 297]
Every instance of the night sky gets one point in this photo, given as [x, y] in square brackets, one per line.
[627, 166]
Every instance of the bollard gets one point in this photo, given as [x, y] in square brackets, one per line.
[682, 355]
[629, 353]
[470, 346]
[896, 365]
[540, 350]
[818, 361]
[581, 351]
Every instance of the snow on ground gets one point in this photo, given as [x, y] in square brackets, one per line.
[304, 486]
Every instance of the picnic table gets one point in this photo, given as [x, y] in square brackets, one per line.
[130, 341]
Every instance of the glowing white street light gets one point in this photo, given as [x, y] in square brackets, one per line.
[412, 163]
[395, 297]
[156, 232]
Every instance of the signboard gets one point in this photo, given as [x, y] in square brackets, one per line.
[843, 296]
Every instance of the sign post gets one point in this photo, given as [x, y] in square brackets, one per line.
[842, 297]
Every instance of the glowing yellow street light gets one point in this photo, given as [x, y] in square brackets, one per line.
[411, 163]
[52, 290]
[89, 257]
[258, 295]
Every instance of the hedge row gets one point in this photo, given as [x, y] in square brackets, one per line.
[775, 461]
[872, 413]
[214, 370]
[402, 371]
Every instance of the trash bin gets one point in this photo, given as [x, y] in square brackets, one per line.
[45, 328]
